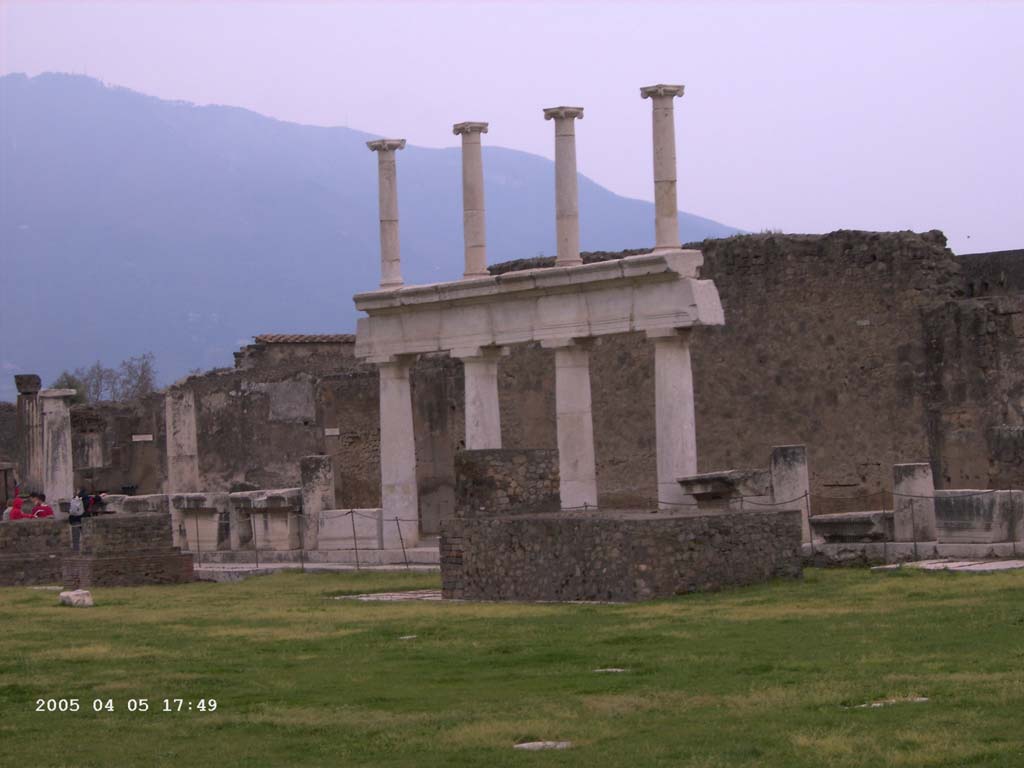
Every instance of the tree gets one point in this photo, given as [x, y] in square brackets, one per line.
[68, 380]
[132, 379]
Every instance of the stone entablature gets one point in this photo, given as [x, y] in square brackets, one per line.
[649, 292]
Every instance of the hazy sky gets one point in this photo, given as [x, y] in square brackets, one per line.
[803, 117]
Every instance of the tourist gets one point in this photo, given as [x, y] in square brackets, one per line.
[16, 513]
[76, 511]
[39, 506]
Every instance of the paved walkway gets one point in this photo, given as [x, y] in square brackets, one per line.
[967, 566]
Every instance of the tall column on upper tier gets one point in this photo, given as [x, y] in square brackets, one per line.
[666, 206]
[473, 222]
[390, 256]
[566, 192]
[674, 416]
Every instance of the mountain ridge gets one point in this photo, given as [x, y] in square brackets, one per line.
[130, 223]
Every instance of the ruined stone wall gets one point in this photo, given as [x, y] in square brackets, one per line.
[507, 480]
[8, 432]
[823, 345]
[975, 361]
[859, 345]
[615, 556]
[31, 551]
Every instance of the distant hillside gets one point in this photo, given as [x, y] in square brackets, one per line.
[132, 224]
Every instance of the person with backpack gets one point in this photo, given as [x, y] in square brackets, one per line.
[76, 512]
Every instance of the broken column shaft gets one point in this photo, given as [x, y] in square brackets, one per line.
[58, 473]
[473, 222]
[666, 206]
[566, 189]
[390, 255]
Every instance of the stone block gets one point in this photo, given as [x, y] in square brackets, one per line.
[77, 598]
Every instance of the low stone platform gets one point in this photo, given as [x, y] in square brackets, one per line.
[958, 566]
[614, 555]
[239, 571]
[891, 552]
[419, 555]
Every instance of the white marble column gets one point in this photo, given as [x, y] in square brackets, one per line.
[387, 180]
[483, 410]
[675, 421]
[182, 441]
[575, 424]
[399, 496]
[666, 206]
[58, 472]
[473, 222]
[566, 192]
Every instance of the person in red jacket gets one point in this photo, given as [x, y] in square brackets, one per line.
[16, 513]
[40, 508]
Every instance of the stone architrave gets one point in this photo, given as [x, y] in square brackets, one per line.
[791, 486]
[182, 441]
[29, 425]
[666, 206]
[577, 470]
[58, 471]
[398, 493]
[913, 493]
[675, 420]
[387, 174]
[483, 410]
[566, 186]
[473, 221]
[318, 493]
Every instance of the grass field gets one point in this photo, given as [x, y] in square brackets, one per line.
[764, 676]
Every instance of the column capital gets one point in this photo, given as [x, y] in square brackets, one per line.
[573, 343]
[470, 127]
[665, 334]
[653, 91]
[480, 353]
[28, 383]
[563, 113]
[386, 145]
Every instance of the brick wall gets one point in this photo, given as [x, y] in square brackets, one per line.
[124, 570]
[31, 550]
[616, 556]
[119, 534]
[506, 480]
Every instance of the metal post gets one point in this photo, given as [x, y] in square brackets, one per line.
[255, 542]
[355, 541]
[401, 539]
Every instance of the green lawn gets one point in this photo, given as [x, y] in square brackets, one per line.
[763, 676]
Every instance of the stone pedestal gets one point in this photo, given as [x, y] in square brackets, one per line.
[566, 192]
[390, 258]
[575, 425]
[398, 492]
[483, 415]
[182, 441]
[473, 222]
[913, 493]
[29, 425]
[791, 485]
[666, 206]
[675, 421]
[318, 494]
[58, 472]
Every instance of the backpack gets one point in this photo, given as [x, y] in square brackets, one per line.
[76, 509]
